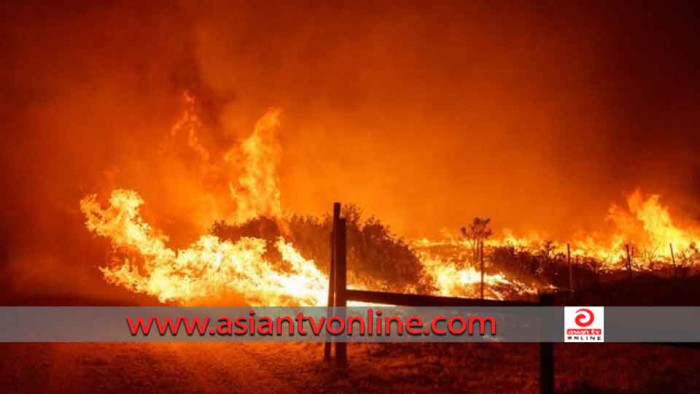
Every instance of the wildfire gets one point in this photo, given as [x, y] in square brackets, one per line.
[258, 191]
[648, 225]
[454, 281]
[264, 272]
[644, 226]
[209, 267]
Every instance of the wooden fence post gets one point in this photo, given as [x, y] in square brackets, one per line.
[629, 261]
[673, 259]
[571, 272]
[341, 354]
[338, 295]
[331, 279]
[481, 257]
[546, 355]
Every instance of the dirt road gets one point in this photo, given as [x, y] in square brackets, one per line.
[94, 368]
[292, 368]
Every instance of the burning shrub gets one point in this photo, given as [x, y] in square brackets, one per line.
[543, 266]
[377, 258]
[375, 252]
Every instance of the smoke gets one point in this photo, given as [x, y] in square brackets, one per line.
[538, 116]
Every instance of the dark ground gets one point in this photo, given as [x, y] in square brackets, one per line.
[261, 368]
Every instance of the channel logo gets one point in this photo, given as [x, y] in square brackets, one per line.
[584, 324]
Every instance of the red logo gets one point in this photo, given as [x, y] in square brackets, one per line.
[584, 324]
[584, 317]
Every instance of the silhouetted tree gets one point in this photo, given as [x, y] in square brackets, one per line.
[477, 232]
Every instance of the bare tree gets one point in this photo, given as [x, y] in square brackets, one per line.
[478, 231]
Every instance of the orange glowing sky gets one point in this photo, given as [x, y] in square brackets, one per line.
[538, 115]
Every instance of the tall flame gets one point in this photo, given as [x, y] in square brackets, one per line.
[649, 225]
[209, 267]
[258, 191]
[214, 268]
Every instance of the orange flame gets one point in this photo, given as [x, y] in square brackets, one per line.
[451, 280]
[258, 192]
[645, 225]
[209, 267]
[213, 268]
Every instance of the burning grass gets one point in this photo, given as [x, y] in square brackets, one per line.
[260, 254]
